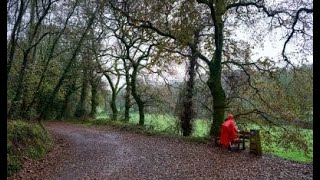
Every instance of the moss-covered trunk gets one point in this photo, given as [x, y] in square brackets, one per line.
[81, 108]
[219, 98]
[214, 81]
[65, 110]
[94, 102]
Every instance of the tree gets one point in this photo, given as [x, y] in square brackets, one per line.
[32, 39]
[51, 51]
[115, 88]
[135, 47]
[128, 91]
[216, 11]
[20, 8]
[187, 101]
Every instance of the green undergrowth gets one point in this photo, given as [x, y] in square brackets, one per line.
[25, 140]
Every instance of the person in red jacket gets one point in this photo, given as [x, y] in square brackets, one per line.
[228, 132]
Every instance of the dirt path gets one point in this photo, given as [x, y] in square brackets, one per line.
[91, 153]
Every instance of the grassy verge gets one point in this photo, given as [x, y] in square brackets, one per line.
[135, 128]
[291, 143]
[24, 140]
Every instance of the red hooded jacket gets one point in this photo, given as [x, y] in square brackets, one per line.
[228, 131]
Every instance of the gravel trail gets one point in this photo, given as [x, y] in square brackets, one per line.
[108, 153]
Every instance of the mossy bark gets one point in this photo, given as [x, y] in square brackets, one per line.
[81, 108]
[214, 81]
[94, 102]
[65, 110]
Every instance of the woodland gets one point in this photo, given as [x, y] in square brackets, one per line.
[168, 66]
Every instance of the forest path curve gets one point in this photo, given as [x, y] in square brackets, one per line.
[109, 153]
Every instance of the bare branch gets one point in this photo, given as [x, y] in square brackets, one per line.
[259, 4]
[293, 30]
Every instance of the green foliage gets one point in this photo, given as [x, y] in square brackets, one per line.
[288, 142]
[286, 97]
[25, 139]
[13, 164]
[55, 104]
[102, 115]
[201, 128]
[158, 122]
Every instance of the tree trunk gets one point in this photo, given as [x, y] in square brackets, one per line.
[66, 106]
[218, 94]
[81, 108]
[127, 97]
[13, 37]
[188, 111]
[113, 106]
[114, 94]
[65, 111]
[94, 102]
[141, 112]
[214, 81]
[136, 96]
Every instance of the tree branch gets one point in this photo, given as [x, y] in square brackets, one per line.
[292, 32]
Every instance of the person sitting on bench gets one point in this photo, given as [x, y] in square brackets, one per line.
[228, 132]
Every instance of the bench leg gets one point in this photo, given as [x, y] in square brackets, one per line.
[235, 146]
[243, 144]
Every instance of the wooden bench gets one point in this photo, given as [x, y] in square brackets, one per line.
[243, 137]
[252, 136]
